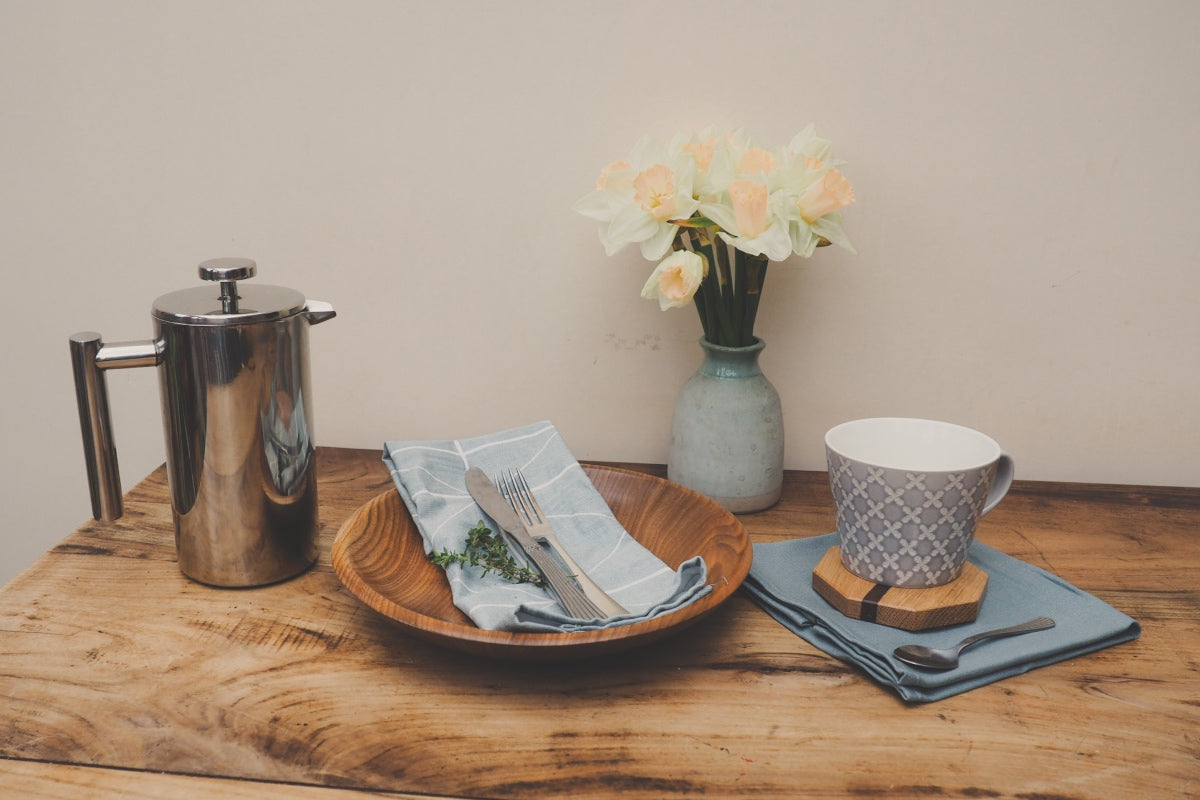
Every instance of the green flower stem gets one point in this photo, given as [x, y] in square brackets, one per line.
[723, 301]
[708, 297]
[738, 296]
[727, 300]
[692, 239]
[752, 270]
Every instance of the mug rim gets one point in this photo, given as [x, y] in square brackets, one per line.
[980, 438]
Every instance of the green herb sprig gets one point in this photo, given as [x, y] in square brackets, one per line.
[488, 551]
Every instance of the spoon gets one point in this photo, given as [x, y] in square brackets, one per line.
[947, 657]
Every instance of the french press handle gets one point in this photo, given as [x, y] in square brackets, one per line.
[89, 357]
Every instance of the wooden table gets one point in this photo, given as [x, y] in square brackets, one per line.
[119, 677]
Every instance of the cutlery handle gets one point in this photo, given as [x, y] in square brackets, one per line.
[606, 604]
[1036, 624]
[572, 598]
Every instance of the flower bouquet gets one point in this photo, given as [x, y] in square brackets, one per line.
[714, 209]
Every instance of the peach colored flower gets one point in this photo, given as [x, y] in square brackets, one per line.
[675, 281]
[831, 192]
[654, 191]
[757, 160]
[749, 200]
[712, 155]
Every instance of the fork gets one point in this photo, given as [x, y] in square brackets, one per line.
[516, 490]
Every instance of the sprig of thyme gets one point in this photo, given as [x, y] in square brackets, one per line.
[488, 551]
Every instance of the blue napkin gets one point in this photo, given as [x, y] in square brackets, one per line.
[780, 581]
[430, 476]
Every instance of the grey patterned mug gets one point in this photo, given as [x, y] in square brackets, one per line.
[908, 494]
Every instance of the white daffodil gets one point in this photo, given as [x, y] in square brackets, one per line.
[759, 220]
[637, 200]
[714, 161]
[751, 213]
[676, 279]
[807, 143]
[819, 209]
[764, 205]
[816, 192]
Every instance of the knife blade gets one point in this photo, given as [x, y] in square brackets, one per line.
[485, 493]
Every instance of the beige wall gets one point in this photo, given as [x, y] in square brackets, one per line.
[1026, 222]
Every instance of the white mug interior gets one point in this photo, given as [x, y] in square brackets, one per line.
[916, 445]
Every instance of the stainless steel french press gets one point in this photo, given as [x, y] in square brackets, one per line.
[236, 397]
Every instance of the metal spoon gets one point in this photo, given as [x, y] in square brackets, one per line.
[947, 657]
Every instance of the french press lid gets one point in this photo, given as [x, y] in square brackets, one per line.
[227, 302]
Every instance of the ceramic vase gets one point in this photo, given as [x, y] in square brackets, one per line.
[727, 432]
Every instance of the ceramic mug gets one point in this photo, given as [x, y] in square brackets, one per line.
[908, 494]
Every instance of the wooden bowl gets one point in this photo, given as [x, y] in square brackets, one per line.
[379, 556]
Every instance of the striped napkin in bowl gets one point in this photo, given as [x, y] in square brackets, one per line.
[430, 477]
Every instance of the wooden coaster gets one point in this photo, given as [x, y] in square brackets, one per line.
[897, 607]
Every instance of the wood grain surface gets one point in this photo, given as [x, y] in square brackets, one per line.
[119, 677]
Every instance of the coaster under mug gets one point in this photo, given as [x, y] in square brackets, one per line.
[951, 603]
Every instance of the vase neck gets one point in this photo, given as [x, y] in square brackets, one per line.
[731, 362]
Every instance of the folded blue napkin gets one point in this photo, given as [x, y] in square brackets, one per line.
[430, 476]
[780, 581]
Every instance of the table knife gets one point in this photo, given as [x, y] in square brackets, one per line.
[485, 493]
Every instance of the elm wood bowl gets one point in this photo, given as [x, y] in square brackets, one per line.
[379, 556]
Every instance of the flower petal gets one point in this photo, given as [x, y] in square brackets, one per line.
[630, 225]
[775, 242]
[749, 199]
[807, 143]
[720, 214]
[600, 205]
[659, 243]
[830, 226]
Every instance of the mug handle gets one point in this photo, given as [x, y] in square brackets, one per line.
[1000, 484]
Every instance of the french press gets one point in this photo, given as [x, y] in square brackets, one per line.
[236, 398]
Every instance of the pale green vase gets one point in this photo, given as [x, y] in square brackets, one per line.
[727, 433]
